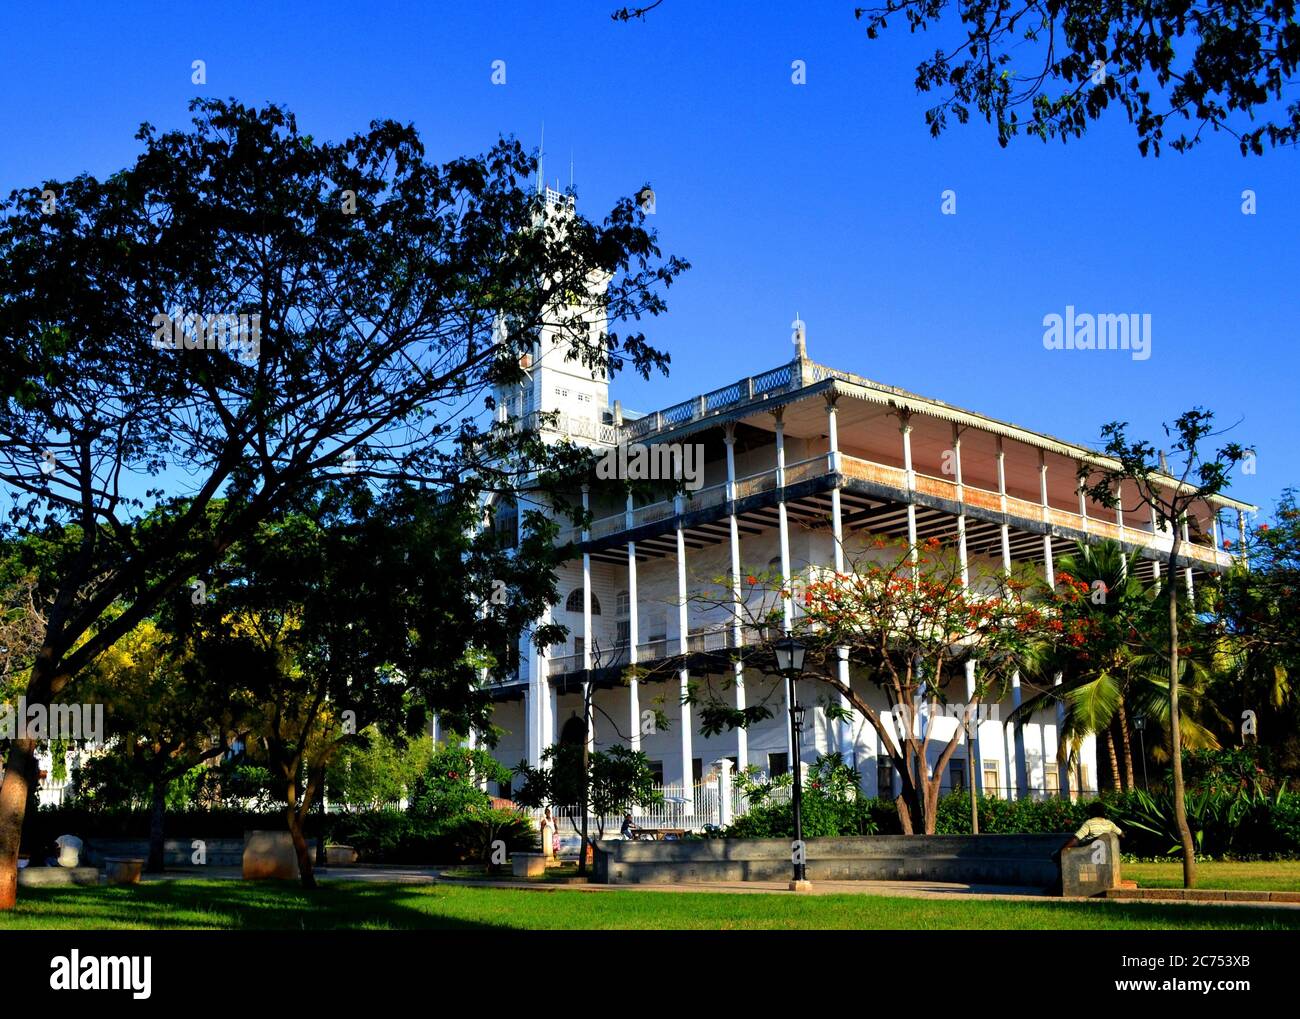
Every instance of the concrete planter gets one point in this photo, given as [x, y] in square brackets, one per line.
[340, 856]
[123, 871]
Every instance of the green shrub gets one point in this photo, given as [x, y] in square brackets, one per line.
[395, 836]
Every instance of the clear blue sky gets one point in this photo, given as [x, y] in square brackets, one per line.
[822, 198]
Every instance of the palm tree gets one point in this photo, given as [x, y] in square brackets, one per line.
[1095, 681]
[1125, 674]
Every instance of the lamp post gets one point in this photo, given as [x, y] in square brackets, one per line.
[789, 662]
[1140, 724]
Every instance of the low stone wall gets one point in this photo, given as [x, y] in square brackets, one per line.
[176, 852]
[1014, 860]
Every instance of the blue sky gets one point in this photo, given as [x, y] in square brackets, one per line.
[821, 198]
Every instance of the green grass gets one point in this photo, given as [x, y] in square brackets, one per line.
[1263, 876]
[364, 905]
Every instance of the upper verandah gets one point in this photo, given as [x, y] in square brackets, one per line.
[803, 380]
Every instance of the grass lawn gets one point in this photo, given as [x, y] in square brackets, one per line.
[1270, 876]
[364, 905]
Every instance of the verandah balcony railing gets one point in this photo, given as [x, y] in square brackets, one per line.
[715, 638]
[896, 478]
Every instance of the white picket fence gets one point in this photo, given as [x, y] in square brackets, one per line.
[679, 809]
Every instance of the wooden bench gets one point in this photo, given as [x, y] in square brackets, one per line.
[660, 834]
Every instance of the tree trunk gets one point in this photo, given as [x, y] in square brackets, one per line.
[19, 778]
[970, 782]
[1175, 734]
[319, 782]
[294, 819]
[1115, 778]
[932, 804]
[904, 813]
[157, 812]
[1126, 743]
[300, 848]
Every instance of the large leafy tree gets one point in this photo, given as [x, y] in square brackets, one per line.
[162, 720]
[1259, 611]
[1048, 68]
[356, 611]
[390, 295]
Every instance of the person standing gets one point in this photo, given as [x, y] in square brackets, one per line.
[549, 835]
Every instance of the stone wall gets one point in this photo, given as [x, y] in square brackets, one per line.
[1012, 860]
[176, 852]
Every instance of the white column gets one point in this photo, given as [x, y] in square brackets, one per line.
[832, 435]
[543, 698]
[586, 586]
[1241, 535]
[633, 635]
[1187, 570]
[783, 529]
[737, 621]
[1119, 522]
[683, 675]
[905, 426]
[1156, 529]
[973, 747]
[1047, 516]
[1049, 571]
[724, 791]
[586, 624]
[552, 720]
[847, 746]
[961, 505]
[1002, 501]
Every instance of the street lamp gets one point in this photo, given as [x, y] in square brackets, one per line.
[1140, 724]
[789, 662]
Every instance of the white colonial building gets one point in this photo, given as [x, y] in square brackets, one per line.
[801, 462]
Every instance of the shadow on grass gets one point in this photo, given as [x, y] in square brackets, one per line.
[236, 905]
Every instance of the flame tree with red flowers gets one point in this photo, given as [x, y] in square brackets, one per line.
[908, 618]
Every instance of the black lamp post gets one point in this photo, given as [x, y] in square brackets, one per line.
[789, 662]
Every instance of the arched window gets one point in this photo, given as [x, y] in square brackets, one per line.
[574, 602]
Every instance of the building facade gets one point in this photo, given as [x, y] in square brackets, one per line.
[800, 464]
